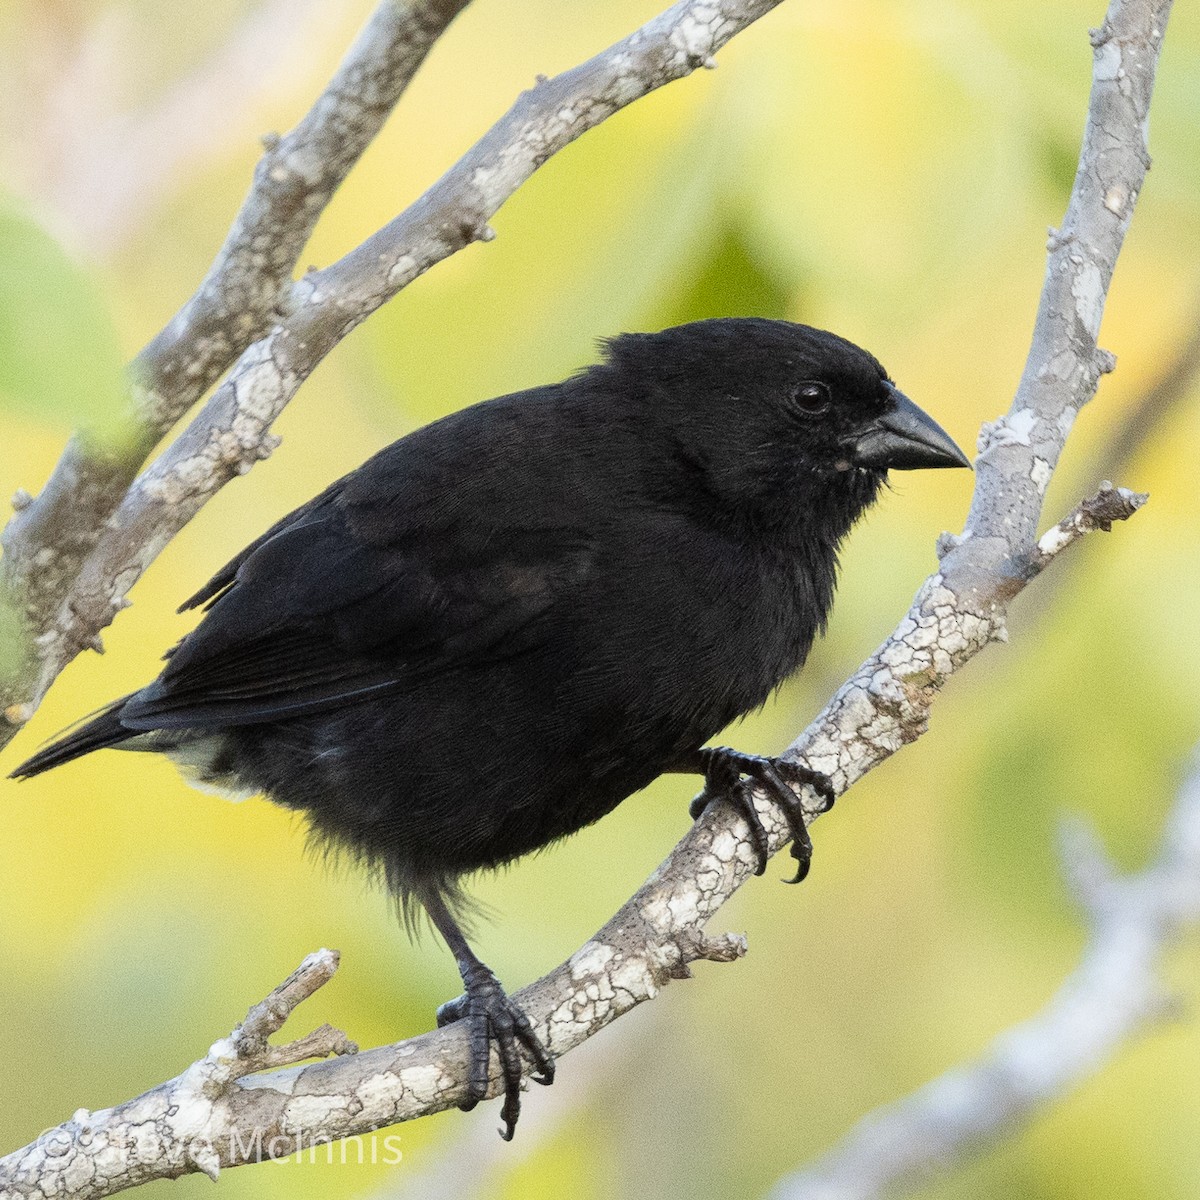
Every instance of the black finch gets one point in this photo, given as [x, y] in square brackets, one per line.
[499, 627]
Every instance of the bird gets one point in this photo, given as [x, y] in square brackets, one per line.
[505, 623]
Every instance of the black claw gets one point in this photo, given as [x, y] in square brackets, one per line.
[802, 853]
[495, 1019]
[723, 771]
[802, 847]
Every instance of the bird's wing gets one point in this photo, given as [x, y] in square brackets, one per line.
[223, 580]
[314, 615]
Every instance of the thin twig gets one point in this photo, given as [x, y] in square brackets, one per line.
[49, 538]
[163, 1134]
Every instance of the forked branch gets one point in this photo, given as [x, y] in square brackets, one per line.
[957, 612]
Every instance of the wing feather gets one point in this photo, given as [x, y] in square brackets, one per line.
[312, 616]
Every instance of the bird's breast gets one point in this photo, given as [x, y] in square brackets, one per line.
[710, 629]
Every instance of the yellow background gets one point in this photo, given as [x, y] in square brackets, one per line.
[885, 169]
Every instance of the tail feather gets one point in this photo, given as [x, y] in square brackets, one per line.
[103, 729]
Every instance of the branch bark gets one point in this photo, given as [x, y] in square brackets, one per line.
[958, 611]
[85, 568]
[1141, 424]
[1113, 995]
[48, 540]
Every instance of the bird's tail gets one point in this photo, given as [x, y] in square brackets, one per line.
[103, 729]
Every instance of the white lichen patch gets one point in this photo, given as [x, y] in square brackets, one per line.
[1054, 540]
[694, 34]
[1107, 66]
[685, 906]
[147, 1142]
[222, 1051]
[1040, 473]
[424, 1083]
[169, 487]
[708, 880]
[822, 754]
[1062, 366]
[1017, 428]
[257, 387]
[633, 978]
[725, 846]
[76, 1173]
[590, 959]
[193, 1112]
[1088, 289]
[1012, 429]
[857, 711]
[377, 1093]
[309, 1112]
[402, 271]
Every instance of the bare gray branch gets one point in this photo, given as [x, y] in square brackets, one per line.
[961, 608]
[47, 541]
[958, 611]
[1113, 995]
[232, 431]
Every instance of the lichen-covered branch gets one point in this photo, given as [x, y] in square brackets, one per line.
[48, 539]
[962, 607]
[958, 611]
[1114, 994]
[232, 431]
[247, 1117]
[293, 182]
[167, 1132]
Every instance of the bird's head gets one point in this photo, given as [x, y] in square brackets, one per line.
[778, 414]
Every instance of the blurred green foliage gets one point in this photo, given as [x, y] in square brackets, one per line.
[884, 169]
[60, 357]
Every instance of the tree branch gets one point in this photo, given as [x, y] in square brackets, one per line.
[957, 612]
[47, 541]
[163, 1134]
[1113, 995]
[962, 607]
[232, 432]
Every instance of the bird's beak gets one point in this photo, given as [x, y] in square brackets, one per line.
[905, 439]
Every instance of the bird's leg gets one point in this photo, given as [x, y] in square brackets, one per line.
[723, 770]
[490, 1016]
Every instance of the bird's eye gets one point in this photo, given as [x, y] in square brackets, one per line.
[812, 397]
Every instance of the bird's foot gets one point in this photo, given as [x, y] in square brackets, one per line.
[492, 1017]
[728, 774]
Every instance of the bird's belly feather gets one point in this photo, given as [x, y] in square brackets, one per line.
[595, 722]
